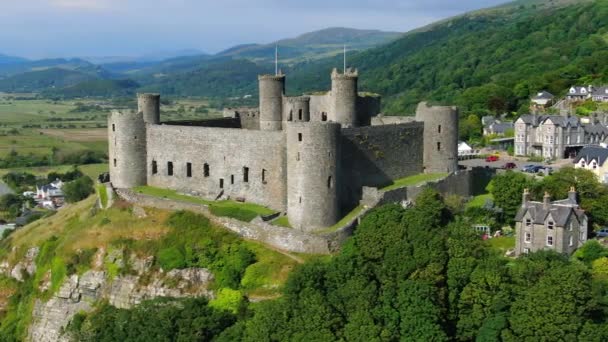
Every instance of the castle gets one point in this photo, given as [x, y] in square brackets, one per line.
[307, 156]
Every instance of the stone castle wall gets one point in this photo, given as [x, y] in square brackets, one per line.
[239, 163]
[376, 155]
[127, 149]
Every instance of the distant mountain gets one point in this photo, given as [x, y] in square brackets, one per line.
[487, 61]
[5, 59]
[95, 88]
[74, 64]
[36, 81]
[313, 45]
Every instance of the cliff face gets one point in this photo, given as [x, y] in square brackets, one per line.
[80, 293]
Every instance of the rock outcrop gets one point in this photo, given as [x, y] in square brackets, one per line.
[80, 293]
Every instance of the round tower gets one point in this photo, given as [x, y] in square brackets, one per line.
[313, 174]
[149, 104]
[127, 149]
[272, 88]
[344, 97]
[440, 138]
[296, 109]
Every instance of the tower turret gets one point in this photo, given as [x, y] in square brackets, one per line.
[149, 104]
[272, 88]
[344, 97]
[313, 171]
[296, 109]
[127, 149]
[440, 137]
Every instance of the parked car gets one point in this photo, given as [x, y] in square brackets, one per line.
[509, 166]
[532, 168]
[491, 158]
[602, 232]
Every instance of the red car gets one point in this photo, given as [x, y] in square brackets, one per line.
[509, 166]
[491, 158]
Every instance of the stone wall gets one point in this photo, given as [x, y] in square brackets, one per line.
[278, 237]
[216, 162]
[376, 155]
[391, 120]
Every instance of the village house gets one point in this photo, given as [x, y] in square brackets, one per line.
[560, 226]
[593, 158]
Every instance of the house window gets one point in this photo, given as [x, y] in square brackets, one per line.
[154, 167]
[323, 116]
[571, 241]
[170, 168]
[114, 162]
[549, 240]
[550, 225]
[438, 146]
[188, 169]
[221, 183]
[206, 170]
[583, 236]
[571, 226]
[300, 114]
[528, 222]
[526, 250]
[299, 136]
[245, 174]
[263, 176]
[528, 238]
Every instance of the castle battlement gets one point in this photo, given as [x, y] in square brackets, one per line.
[306, 156]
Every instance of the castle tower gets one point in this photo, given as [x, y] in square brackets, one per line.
[440, 138]
[149, 104]
[344, 97]
[127, 149]
[313, 154]
[272, 88]
[296, 109]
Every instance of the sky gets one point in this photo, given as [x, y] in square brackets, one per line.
[69, 28]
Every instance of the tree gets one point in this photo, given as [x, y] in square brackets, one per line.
[507, 190]
[78, 190]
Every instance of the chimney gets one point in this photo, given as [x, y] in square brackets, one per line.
[546, 201]
[526, 197]
[572, 195]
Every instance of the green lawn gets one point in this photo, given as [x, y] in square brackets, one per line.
[240, 211]
[91, 170]
[282, 221]
[503, 243]
[479, 201]
[344, 220]
[102, 192]
[414, 180]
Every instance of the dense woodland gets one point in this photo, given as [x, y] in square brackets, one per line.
[417, 274]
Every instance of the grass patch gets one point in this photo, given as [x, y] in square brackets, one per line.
[102, 192]
[479, 201]
[237, 210]
[91, 170]
[346, 219]
[414, 180]
[502, 243]
[282, 221]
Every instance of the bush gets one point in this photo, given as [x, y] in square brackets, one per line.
[171, 258]
[78, 190]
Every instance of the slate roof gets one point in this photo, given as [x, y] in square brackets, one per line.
[600, 91]
[543, 95]
[560, 212]
[558, 120]
[578, 91]
[595, 129]
[501, 127]
[590, 153]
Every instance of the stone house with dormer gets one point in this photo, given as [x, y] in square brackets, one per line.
[581, 93]
[560, 226]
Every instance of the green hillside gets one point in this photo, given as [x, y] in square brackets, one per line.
[96, 88]
[44, 79]
[488, 61]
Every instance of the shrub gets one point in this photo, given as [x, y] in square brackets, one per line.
[78, 190]
[170, 258]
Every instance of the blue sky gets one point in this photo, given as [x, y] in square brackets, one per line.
[48, 28]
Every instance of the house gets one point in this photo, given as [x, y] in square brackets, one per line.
[49, 191]
[542, 99]
[600, 94]
[498, 128]
[560, 226]
[593, 158]
[556, 136]
[578, 93]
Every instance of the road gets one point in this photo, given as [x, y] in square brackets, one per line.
[520, 162]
